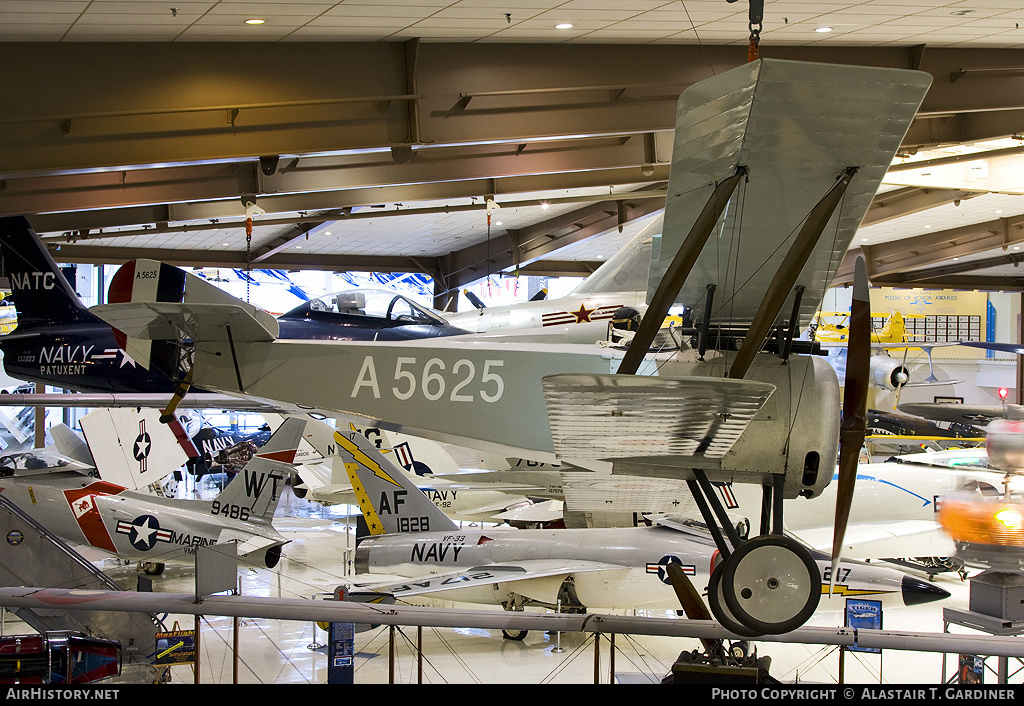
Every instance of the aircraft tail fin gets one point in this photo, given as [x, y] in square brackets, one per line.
[70, 444]
[153, 301]
[42, 294]
[628, 269]
[131, 447]
[390, 501]
[253, 494]
[895, 329]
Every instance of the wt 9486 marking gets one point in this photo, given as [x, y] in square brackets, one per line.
[235, 512]
[434, 381]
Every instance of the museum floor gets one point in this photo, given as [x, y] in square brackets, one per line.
[314, 563]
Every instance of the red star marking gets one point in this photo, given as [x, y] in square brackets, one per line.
[583, 315]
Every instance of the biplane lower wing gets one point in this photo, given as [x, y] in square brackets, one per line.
[601, 417]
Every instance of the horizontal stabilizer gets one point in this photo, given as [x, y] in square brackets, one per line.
[247, 542]
[154, 301]
[155, 321]
[595, 417]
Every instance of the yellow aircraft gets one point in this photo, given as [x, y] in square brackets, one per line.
[830, 329]
[826, 331]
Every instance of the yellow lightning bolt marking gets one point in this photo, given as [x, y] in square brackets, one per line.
[372, 520]
[842, 590]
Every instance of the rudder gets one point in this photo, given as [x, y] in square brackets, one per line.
[391, 503]
[42, 295]
[253, 494]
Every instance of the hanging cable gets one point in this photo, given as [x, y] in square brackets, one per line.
[756, 15]
[248, 256]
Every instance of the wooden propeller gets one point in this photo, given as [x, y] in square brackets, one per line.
[855, 397]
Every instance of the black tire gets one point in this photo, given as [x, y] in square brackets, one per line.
[720, 610]
[514, 634]
[273, 556]
[771, 584]
[152, 568]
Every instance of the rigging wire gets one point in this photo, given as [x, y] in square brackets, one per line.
[696, 34]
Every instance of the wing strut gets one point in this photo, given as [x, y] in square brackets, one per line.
[705, 325]
[785, 278]
[786, 347]
[677, 273]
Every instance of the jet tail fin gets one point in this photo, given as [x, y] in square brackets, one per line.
[628, 269]
[70, 444]
[131, 447]
[391, 503]
[42, 294]
[253, 494]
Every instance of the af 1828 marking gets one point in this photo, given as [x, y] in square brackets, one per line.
[433, 381]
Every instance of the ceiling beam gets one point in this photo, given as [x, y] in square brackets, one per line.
[286, 260]
[894, 204]
[979, 283]
[924, 277]
[475, 262]
[154, 103]
[934, 248]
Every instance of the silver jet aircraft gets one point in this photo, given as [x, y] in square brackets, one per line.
[569, 569]
[65, 496]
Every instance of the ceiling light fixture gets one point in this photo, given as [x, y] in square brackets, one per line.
[563, 25]
[822, 30]
[255, 21]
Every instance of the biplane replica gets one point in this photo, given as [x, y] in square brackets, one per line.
[774, 165]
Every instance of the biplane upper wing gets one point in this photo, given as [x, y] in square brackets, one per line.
[795, 126]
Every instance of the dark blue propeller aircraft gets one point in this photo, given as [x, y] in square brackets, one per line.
[59, 342]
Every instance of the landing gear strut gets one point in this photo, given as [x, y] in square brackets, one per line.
[766, 585]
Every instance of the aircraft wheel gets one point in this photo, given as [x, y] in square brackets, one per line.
[720, 610]
[514, 634]
[151, 568]
[771, 584]
[739, 650]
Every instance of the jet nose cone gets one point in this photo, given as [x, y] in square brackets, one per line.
[916, 591]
